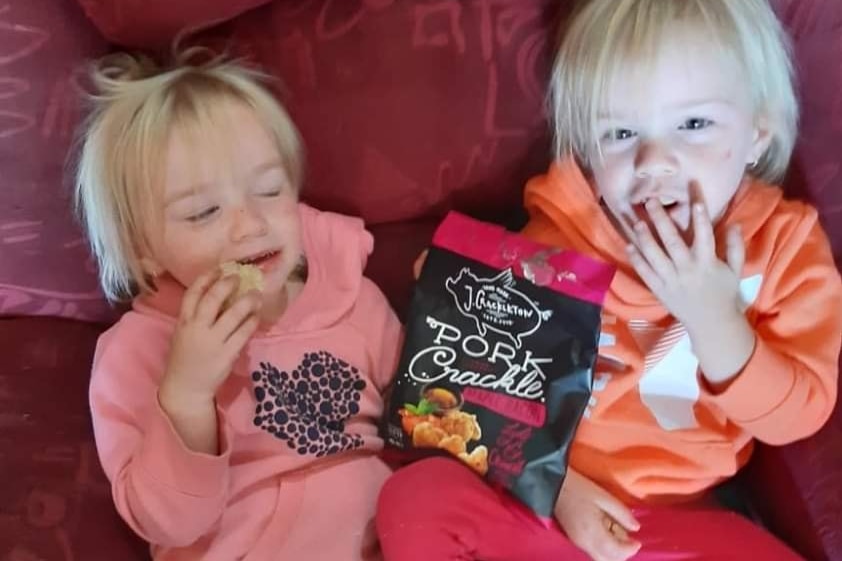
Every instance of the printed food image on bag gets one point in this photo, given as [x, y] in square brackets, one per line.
[497, 364]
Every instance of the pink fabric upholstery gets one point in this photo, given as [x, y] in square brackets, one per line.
[144, 23]
[816, 173]
[55, 503]
[407, 108]
[44, 265]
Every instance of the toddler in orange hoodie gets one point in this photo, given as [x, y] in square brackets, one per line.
[673, 119]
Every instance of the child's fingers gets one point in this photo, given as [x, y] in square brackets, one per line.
[208, 308]
[651, 251]
[618, 513]
[704, 242]
[238, 339]
[667, 232]
[194, 293]
[643, 269]
[231, 319]
[608, 546]
[735, 250]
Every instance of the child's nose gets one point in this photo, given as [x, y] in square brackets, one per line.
[655, 159]
[248, 222]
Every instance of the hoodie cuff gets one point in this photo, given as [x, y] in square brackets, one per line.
[165, 457]
[763, 385]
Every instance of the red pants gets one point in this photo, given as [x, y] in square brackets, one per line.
[437, 509]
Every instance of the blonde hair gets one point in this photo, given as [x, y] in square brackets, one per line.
[136, 105]
[603, 36]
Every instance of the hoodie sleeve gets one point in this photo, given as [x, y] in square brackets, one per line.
[383, 333]
[166, 493]
[788, 388]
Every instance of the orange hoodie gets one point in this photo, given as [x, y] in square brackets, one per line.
[654, 432]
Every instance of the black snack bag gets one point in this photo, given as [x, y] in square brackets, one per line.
[497, 365]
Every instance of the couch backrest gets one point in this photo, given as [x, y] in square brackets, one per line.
[407, 109]
[44, 264]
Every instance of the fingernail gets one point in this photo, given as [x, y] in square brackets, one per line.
[699, 208]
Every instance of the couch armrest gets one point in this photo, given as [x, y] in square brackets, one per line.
[797, 491]
[155, 23]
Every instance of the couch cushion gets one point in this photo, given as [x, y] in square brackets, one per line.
[407, 109]
[143, 23]
[797, 490]
[59, 506]
[44, 265]
[816, 172]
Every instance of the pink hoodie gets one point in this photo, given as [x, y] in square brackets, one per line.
[298, 473]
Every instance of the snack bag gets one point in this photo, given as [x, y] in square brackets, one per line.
[497, 364]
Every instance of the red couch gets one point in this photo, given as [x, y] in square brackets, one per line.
[408, 109]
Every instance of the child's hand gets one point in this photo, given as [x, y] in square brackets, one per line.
[207, 340]
[595, 520]
[696, 287]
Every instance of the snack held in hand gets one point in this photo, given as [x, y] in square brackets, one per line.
[251, 278]
[496, 369]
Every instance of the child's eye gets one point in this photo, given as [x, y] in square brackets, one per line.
[203, 214]
[615, 135]
[267, 189]
[696, 124]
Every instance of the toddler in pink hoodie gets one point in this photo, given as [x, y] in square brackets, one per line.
[231, 426]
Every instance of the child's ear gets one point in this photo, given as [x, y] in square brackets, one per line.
[762, 138]
[151, 267]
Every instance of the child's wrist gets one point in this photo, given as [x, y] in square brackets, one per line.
[173, 398]
[723, 350]
[193, 418]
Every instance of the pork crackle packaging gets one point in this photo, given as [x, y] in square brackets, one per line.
[498, 361]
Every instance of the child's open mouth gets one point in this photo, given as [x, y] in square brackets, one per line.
[677, 211]
[667, 203]
[263, 261]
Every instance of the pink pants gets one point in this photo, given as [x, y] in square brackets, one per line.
[437, 509]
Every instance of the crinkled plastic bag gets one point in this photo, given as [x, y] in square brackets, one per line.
[497, 364]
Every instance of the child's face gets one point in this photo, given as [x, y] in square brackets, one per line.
[686, 130]
[226, 198]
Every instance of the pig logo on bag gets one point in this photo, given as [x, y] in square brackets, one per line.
[495, 305]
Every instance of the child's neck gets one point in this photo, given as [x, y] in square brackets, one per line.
[273, 309]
